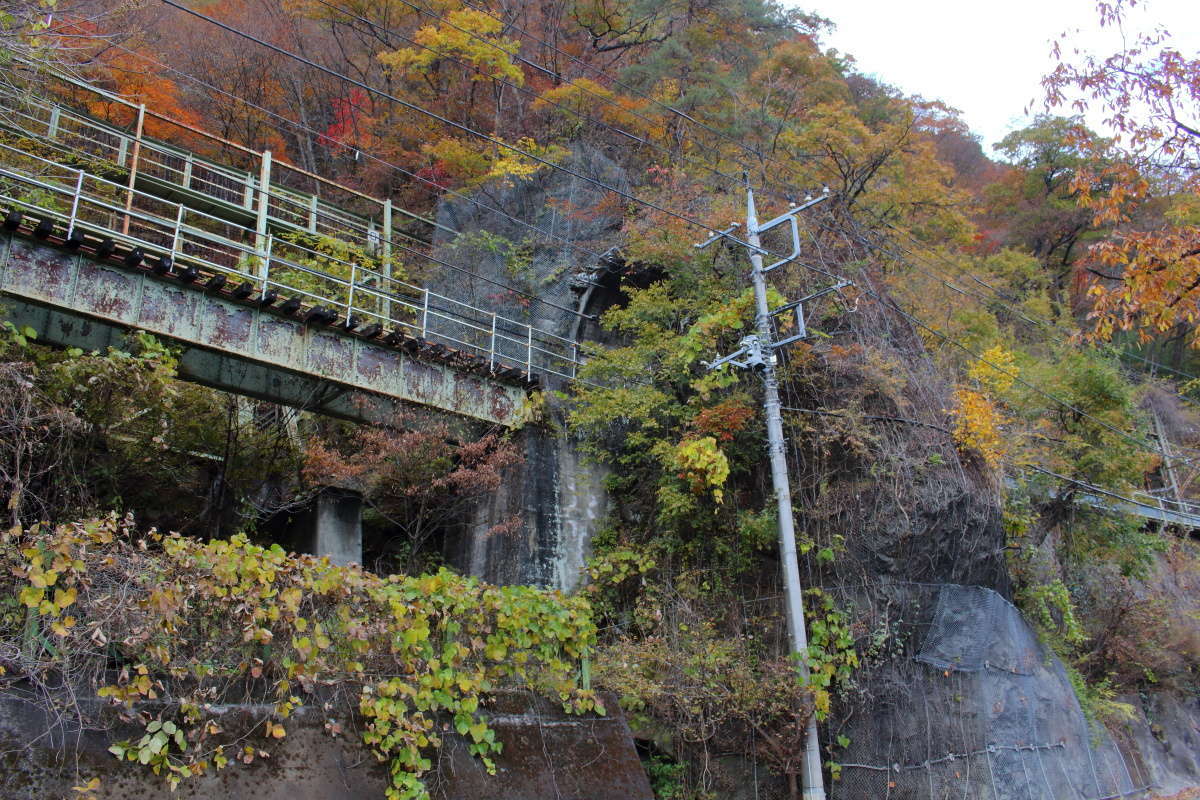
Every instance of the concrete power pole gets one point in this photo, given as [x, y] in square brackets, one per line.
[758, 352]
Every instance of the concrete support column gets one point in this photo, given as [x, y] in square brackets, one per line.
[333, 526]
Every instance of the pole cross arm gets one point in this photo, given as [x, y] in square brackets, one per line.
[728, 235]
[790, 217]
[798, 307]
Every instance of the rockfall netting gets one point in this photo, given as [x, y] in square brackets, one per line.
[979, 711]
[534, 251]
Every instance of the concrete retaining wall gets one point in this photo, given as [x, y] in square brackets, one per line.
[546, 754]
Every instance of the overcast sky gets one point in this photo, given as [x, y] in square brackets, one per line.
[985, 59]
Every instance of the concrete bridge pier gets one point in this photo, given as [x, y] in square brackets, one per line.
[332, 526]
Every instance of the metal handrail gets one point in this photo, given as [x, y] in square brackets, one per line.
[63, 128]
[275, 205]
[464, 325]
[59, 116]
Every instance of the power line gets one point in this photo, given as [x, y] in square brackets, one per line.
[1089, 487]
[761, 156]
[755, 152]
[530, 92]
[1013, 299]
[648, 204]
[608, 101]
[893, 305]
[451, 123]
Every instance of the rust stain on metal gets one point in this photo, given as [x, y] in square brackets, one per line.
[376, 363]
[500, 404]
[278, 339]
[231, 326]
[468, 390]
[106, 292]
[50, 277]
[245, 334]
[330, 354]
[422, 379]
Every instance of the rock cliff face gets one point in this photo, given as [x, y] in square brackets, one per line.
[960, 699]
[558, 495]
[975, 707]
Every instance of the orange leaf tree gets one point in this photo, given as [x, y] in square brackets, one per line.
[1146, 276]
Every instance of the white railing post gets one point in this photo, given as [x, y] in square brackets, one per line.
[75, 203]
[529, 350]
[492, 345]
[133, 167]
[574, 359]
[386, 235]
[52, 126]
[265, 266]
[425, 316]
[177, 233]
[264, 199]
[187, 170]
[312, 214]
[350, 294]
[386, 254]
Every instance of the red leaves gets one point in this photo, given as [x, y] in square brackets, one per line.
[724, 420]
[348, 113]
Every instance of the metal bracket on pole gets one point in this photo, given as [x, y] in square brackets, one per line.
[798, 306]
[790, 217]
[753, 350]
[728, 234]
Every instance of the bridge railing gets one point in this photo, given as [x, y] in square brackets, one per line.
[196, 244]
[269, 192]
[1181, 506]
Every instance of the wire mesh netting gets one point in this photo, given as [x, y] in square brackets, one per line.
[982, 711]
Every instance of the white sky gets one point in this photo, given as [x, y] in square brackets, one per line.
[985, 59]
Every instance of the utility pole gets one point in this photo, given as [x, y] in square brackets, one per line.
[758, 352]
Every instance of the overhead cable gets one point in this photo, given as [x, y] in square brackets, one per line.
[451, 123]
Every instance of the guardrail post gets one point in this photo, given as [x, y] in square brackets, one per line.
[177, 233]
[529, 350]
[133, 167]
[187, 170]
[52, 126]
[264, 200]
[75, 203]
[492, 345]
[386, 254]
[350, 294]
[574, 359]
[425, 316]
[312, 214]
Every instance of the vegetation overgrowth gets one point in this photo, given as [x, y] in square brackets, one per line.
[136, 616]
[1019, 338]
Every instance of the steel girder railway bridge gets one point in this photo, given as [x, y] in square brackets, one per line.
[278, 283]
